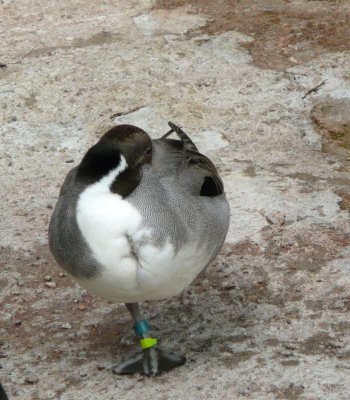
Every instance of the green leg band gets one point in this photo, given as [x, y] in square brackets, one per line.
[148, 342]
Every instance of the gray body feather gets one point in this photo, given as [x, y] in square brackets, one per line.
[66, 242]
[168, 197]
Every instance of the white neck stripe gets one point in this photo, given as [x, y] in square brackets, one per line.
[104, 184]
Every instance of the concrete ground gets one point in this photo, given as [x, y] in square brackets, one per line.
[263, 87]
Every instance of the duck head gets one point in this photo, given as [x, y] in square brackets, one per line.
[121, 144]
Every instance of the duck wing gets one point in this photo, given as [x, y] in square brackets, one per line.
[187, 152]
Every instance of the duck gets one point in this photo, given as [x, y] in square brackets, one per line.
[138, 220]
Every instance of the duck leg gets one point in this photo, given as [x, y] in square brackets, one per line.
[153, 360]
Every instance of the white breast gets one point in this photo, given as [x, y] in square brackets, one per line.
[106, 221]
[168, 274]
[113, 229]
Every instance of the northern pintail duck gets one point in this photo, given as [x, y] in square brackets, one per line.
[139, 219]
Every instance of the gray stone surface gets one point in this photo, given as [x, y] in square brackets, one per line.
[270, 319]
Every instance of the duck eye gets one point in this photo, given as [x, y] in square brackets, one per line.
[149, 151]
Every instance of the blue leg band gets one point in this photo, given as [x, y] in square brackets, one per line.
[141, 327]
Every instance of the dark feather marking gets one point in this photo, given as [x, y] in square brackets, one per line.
[210, 188]
[126, 182]
[98, 161]
[186, 149]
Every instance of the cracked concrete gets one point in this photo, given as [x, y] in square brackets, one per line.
[263, 88]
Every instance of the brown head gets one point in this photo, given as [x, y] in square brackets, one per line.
[126, 141]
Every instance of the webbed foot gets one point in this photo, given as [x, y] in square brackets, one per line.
[151, 362]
